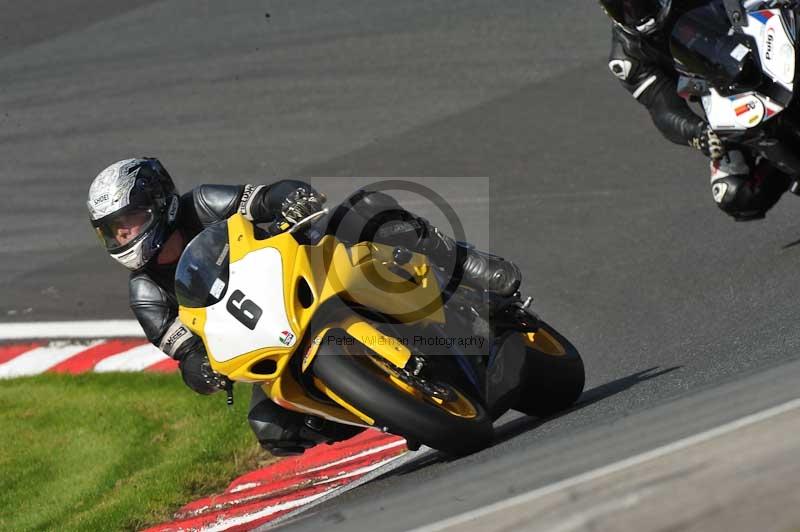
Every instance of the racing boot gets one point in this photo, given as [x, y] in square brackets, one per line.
[479, 270]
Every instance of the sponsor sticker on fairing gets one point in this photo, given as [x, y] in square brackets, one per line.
[749, 111]
[286, 338]
[776, 48]
[217, 288]
[739, 52]
[222, 255]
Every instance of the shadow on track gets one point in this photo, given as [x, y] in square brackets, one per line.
[524, 424]
[515, 427]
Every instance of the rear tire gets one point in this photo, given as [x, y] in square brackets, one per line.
[400, 412]
[553, 382]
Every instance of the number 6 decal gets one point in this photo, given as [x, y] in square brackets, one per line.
[244, 310]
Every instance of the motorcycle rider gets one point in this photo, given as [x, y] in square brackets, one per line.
[743, 185]
[144, 224]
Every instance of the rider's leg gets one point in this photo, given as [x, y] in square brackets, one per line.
[377, 216]
[745, 187]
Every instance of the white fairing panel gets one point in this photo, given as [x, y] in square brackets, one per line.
[777, 56]
[742, 111]
[259, 277]
[775, 46]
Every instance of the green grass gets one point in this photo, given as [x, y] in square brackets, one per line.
[114, 451]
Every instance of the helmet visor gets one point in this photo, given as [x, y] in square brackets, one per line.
[122, 229]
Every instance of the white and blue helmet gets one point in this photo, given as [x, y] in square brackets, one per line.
[133, 206]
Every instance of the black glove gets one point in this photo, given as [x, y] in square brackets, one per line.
[710, 144]
[301, 203]
[198, 375]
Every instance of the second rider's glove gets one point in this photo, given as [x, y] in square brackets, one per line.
[302, 203]
[710, 144]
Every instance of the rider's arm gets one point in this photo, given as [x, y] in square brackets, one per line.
[262, 203]
[157, 313]
[207, 204]
[655, 89]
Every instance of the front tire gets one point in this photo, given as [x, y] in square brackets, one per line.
[555, 375]
[354, 378]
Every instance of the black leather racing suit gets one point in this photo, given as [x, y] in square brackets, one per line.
[742, 186]
[644, 67]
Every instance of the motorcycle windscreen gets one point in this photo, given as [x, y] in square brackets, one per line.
[201, 278]
[704, 44]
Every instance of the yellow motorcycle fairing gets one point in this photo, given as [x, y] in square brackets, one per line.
[310, 275]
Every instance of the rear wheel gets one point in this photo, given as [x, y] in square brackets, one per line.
[554, 374]
[431, 411]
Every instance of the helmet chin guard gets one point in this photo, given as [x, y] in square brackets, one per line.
[136, 257]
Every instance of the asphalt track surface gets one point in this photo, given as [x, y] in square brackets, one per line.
[614, 228]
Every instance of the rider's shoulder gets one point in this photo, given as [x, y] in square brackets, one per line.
[632, 59]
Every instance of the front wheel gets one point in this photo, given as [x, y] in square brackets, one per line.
[435, 413]
[554, 374]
